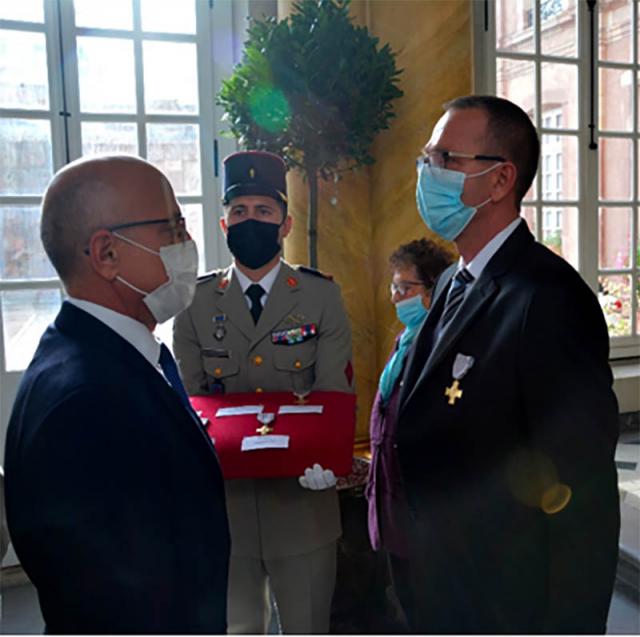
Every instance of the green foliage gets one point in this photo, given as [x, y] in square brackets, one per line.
[553, 241]
[315, 88]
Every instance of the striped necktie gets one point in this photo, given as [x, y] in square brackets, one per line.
[455, 296]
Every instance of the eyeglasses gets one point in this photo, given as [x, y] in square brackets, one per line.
[439, 158]
[402, 289]
[176, 225]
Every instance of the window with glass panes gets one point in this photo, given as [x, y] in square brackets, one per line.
[584, 202]
[81, 77]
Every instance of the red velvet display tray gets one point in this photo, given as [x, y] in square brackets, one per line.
[325, 438]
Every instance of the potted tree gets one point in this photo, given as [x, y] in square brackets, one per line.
[314, 88]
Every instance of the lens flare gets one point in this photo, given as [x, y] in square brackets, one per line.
[270, 109]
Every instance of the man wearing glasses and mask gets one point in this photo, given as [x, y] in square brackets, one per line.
[114, 495]
[262, 325]
[507, 424]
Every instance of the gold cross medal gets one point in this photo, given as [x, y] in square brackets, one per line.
[461, 365]
[265, 420]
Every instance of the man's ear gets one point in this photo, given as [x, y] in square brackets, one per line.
[103, 254]
[223, 226]
[505, 181]
[287, 224]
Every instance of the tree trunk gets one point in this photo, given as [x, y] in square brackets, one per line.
[312, 226]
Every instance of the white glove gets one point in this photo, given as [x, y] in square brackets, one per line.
[317, 478]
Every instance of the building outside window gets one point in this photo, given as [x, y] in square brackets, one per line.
[78, 78]
[584, 204]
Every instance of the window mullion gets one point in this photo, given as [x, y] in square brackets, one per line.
[636, 158]
[222, 54]
[139, 73]
[55, 74]
[210, 199]
[69, 80]
[588, 158]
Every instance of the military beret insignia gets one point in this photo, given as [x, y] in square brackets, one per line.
[294, 335]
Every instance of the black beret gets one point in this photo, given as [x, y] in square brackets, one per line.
[254, 172]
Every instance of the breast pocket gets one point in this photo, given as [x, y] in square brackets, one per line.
[298, 362]
[220, 370]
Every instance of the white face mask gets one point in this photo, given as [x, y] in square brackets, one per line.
[180, 261]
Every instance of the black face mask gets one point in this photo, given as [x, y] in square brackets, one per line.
[253, 243]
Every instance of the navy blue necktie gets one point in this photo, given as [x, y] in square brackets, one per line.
[170, 371]
[455, 296]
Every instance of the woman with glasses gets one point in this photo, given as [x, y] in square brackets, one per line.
[415, 266]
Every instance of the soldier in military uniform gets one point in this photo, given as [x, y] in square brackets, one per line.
[263, 325]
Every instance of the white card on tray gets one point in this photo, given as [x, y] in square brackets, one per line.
[244, 410]
[300, 409]
[251, 443]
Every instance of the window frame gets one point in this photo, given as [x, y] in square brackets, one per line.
[485, 57]
[220, 32]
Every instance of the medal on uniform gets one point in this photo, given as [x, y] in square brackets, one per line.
[295, 319]
[294, 335]
[461, 365]
[220, 329]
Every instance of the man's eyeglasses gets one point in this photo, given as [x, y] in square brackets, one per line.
[439, 158]
[403, 288]
[177, 226]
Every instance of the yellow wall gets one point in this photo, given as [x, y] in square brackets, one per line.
[433, 41]
[374, 209]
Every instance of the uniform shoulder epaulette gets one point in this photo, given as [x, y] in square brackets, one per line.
[209, 276]
[313, 272]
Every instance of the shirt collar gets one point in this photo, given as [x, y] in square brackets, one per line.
[131, 330]
[266, 281]
[479, 262]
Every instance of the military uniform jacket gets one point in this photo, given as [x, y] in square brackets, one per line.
[301, 342]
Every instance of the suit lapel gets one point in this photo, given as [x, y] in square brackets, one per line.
[97, 336]
[479, 294]
[281, 301]
[485, 288]
[418, 353]
[231, 301]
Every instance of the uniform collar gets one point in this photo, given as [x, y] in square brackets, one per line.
[266, 281]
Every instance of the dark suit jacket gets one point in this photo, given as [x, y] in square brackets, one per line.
[537, 409]
[115, 498]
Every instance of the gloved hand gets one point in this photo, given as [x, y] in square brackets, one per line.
[317, 478]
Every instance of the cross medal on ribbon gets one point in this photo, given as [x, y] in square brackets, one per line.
[461, 365]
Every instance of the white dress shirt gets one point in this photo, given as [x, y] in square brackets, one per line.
[131, 330]
[478, 263]
[266, 282]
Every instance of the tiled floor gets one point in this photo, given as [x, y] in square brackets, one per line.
[624, 615]
[21, 614]
[20, 611]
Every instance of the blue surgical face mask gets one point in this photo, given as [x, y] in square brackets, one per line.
[438, 194]
[411, 311]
